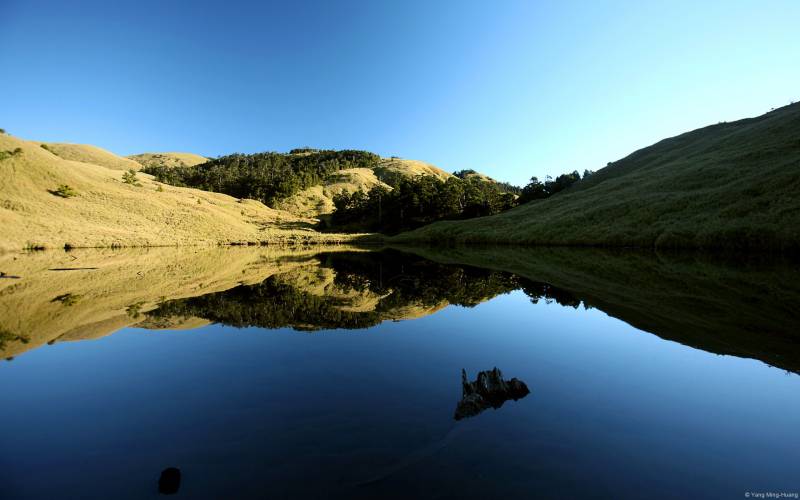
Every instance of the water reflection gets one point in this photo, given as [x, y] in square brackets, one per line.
[344, 290]
[744, 309]
[613, 410]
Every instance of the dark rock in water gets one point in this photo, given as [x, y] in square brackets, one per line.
[489, 390]
[170, 481]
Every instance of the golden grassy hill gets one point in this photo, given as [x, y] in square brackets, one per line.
[168, 159]
[318, 200]
[86, 153]
[107, 212]
[389, 167]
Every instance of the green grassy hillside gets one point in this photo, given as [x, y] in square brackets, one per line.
[734, 185]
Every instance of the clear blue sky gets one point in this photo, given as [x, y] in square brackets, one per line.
[510, 88]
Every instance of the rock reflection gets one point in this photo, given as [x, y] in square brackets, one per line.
[489, 390]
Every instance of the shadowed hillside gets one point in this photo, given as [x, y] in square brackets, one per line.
[728, 185]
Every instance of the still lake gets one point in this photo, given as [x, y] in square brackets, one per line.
[336, 373]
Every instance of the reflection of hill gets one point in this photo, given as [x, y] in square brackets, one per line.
[748, 309]
[346, 290]
[44, 305]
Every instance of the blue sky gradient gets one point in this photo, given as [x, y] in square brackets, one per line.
[510, 88]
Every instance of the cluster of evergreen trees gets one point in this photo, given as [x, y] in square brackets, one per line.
[267, 177]
[504, 186]
[421, 200]
[417, 201]
[413, 202]
[538, 190]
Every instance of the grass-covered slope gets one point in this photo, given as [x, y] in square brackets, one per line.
[389, 170]
[86, 153]
[49, 202]
[728, 185]
[318, 199]
[168, 159]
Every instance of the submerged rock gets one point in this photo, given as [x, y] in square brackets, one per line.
[170, 481]
[489, 390]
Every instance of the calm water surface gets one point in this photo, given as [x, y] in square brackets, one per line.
[337, 376]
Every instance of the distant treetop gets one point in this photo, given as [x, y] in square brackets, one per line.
[463, 174]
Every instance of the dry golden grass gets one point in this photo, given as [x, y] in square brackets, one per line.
[107, 212]
[86, 153]
[412, 168]
[318, 200]
[168, 159]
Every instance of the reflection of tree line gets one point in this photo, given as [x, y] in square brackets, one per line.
[399, 279]
[537, 291]
[733, 304]
[6, 337]
[269, 304]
